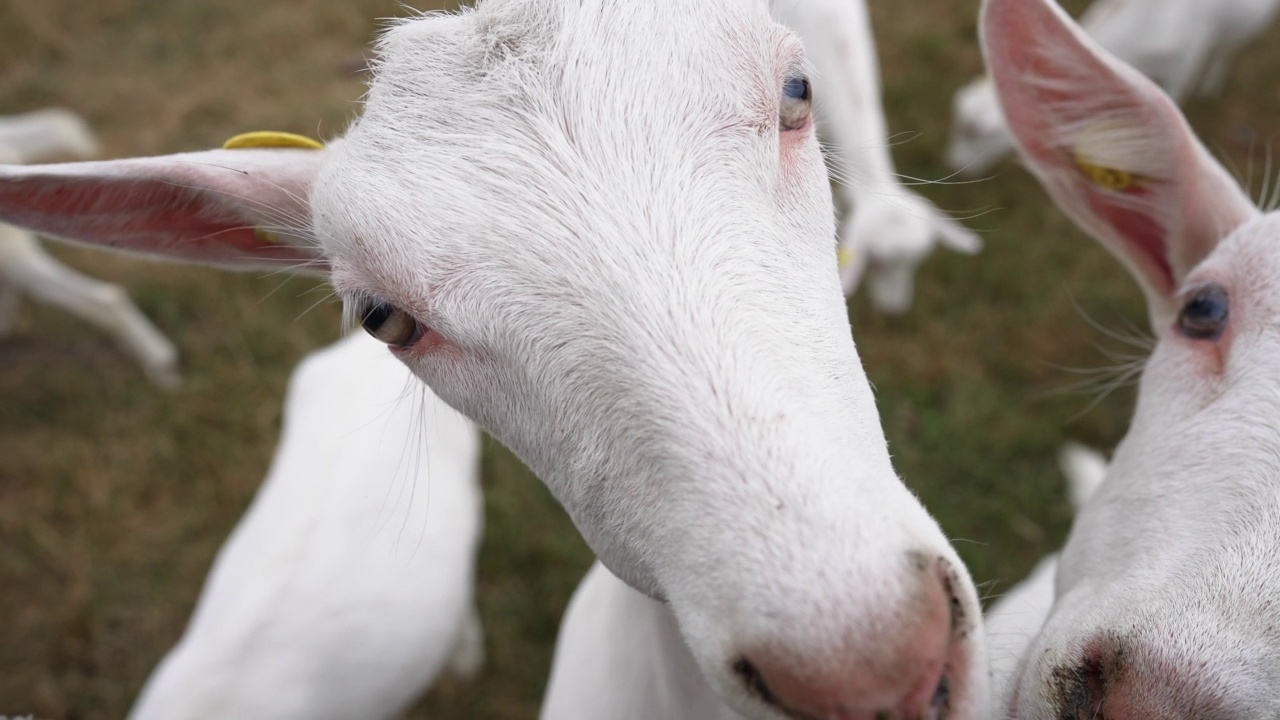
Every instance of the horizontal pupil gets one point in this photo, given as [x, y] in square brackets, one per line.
[1204, 316]
[375, 316]
[796, 88]
[1206, 309]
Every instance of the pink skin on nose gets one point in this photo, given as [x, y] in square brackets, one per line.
[894, 676]
[1131, 681]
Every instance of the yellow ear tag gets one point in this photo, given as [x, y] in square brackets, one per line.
[266, 237]
[271, 139]
[1105, 140]
[1109, 178]
[846, 256]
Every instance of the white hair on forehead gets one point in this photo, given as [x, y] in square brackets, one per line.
[576, 120]
[488, 36]
[512, 78]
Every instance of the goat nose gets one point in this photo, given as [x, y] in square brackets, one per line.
[1087, 693]
[899, 673]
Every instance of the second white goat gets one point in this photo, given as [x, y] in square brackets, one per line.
[348, 585]
[1166, 591]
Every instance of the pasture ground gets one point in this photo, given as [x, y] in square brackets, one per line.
[114, 497]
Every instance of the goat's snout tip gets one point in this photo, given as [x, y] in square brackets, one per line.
[909, 673]
[930, 699]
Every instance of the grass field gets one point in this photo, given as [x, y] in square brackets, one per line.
[114, 497]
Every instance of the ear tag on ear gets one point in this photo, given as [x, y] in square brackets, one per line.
[1112, 140]
[271, 139]
[1109, 178]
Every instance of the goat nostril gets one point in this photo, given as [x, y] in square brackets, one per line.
[1084, 689]
[754, 681]
[941, 702]
[948, 576]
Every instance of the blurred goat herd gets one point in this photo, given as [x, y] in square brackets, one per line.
[603, 232]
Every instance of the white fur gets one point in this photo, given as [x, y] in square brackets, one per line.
[619, 654]
[1166, 590]
[1014, 620]
[1181, 44]
[44, 135]
[26, 269]
[347, 586]
[886, 229]
[626, 269]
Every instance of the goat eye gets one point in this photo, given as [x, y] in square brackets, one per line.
[1205, 313]
[796, 102]
[390, 324]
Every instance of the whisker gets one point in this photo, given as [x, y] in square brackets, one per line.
[1141, 340]
[1266, 176]
[424, 454]
[1273, 200]
[328, 297]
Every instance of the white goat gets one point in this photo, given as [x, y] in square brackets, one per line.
[41, 135]
[619, 654]
[1181, 44]
[348, 585]
[603, 230]
[1166, 592]
[887, 230]
[25, 268]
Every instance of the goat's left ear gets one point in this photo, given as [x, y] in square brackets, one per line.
[1111, 148]
[245, 208]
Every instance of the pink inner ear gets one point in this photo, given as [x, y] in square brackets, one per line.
[150, 216]
[1143, 233]
[1041, 71]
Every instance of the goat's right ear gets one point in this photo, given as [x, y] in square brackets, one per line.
[1111, 148]
[243, 208]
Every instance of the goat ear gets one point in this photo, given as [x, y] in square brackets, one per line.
[1111, 148]
[244, 208]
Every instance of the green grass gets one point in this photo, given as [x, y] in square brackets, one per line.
[114, 497]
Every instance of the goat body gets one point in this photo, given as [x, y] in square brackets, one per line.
[348, 585]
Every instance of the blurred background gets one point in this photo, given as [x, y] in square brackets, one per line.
[114, 496]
